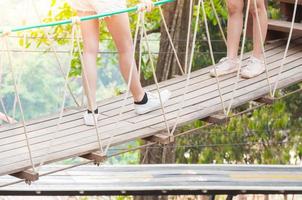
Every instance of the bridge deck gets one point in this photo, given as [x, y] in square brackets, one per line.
[75, 139]
[163, 179]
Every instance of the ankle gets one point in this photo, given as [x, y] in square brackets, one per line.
[96, 111]
[143, 100]
[258, 56]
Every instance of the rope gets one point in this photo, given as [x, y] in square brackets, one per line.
[262, 48]
[241, 58]
[154, 74]
[218, 22]
[86, 18]
[24, 21]
[2, 103]
[5, 40]
[171, 41]
[50, 145]
[141, 35]
[189, 35]
[190, 68]
[52, 48]
[129, 81]
[286, 49]
[212, 57]
[77, 21]
[144, 146]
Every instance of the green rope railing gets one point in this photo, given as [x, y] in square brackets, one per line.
[86, 18]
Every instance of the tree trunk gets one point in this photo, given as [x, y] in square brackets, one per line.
[177, 17]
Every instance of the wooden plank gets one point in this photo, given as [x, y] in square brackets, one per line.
[203, 109]
[266, 100]
[291, 1]
[217, 119]
[76, 123]
[96, 157]
[104, 103]
[284, 26]
[209, 81]
[137, 127]
[160, 138]
[54, 123]
[28, 175]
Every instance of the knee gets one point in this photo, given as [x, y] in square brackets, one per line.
[91, 49]
[234, 7]
[257, 8]
[125, 47]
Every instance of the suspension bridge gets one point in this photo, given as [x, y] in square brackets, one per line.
[29, 145]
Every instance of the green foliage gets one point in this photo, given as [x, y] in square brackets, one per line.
[266, 137]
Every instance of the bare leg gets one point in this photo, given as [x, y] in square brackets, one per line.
[235, 24]
[90, 32]
[119, 28]
[257, 51]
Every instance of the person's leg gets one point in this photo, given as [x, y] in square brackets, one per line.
[235, 24]
[256, 66]
[235, 20]
[119, 28]
[90, 33]
[262, 13]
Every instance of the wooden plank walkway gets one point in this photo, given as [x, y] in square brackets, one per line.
[163, 180]
[284, 26]
[75, 139]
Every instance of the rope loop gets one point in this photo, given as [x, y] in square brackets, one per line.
[141, 7]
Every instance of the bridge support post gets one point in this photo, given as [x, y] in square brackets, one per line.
[161, 138]
[266, 100]
[96, 157]
[217, 119]
[28, 175]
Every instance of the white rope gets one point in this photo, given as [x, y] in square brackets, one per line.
[121, 111]
[212, 56]
[171, 41]
[88, 92]
[19, 77]
[53, 135]
[190, 67]
[141, 36]
[263, 49]
[286, 49]
[188, 36]
[1, 99]
[218, 22]
[241, 57]
[53, 49]
[5, 38]
[154, 75]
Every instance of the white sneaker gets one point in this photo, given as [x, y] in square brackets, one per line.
[153, 102]
[254, 68]
[89, 120]
[225, 66]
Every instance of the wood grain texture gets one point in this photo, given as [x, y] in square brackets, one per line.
[202, 100]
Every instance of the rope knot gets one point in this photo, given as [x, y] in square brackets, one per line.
[141, 7]
[6, 31]
[76, 20]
